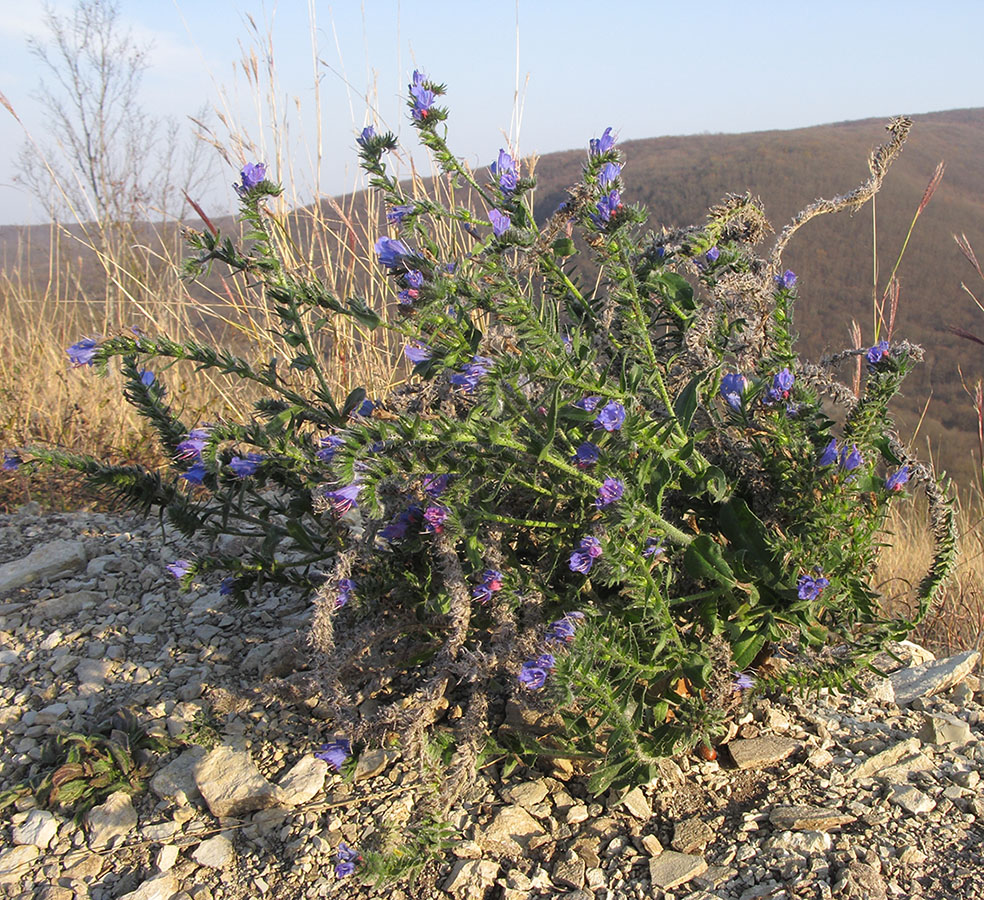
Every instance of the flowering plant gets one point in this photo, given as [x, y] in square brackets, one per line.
[648, 459]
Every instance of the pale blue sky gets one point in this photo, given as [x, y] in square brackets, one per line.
[646, 67]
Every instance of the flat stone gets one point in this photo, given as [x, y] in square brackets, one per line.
[160, 887]
[54, 892]
[176, 781]
[863, 881]
[232, 785]
[690, 835]
[14, 863]
[884, 759]
[939, 728]
[52, 560]
[167, 856]
[671, 869]
[526, 794]
[911, 799]
[470, 878]
[110, 822]
[932, 677]
[215, 853]
[569, 870]
[805, 842]
[57, 608]
[807, 818]
[635, 802]
[916, 762]
[513, 829]
[37, 829]
[756, 753]
[304, 781]
[81, 865]
[373, 763]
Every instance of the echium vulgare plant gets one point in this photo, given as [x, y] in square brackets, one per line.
[607, 502]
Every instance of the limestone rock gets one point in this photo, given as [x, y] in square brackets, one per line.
[932, 677]
[569, 870]
[671, 869]
[806, 843]
[884, 759]
[526, 794]
[373, 763]
[14, 863]
[807, 818]
[215, 853]
[56, 608]
[51, 560]
[911, 799]
[176, 781]
[690, 835]
[513, 829]
[636, 803]
[160, 887]
[940, 728]
[110, 822]
[303, 782]
[37, 829]
[756, 753]
[470, 878]
[232, 785]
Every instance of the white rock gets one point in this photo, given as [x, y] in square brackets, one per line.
[232, 785]
[14, 863]
[911, 799]
[215, 853]
[51, 560]
[160, 887]
[167, 856]
[303, 782]
[176, 781]
[37, 829]
[469, 879]
[932, 677]
[111, 821]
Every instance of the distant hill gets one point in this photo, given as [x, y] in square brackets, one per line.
[678, 178]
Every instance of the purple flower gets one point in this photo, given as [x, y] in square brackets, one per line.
[414, 279]
[598, 146]
[434, 518]
[329, 445]
[608, 174]
[244, 466]
[562, 631]
[251, 175]
[344, 499]
[501, 222]
[898, 478]
[585, 456]
[196, 473]
[417, 352]
[390, 252]
[471, 374]
[11, 461]
[782, 384]
[742, 682]
[364, 409]
[227, 587]
[505, 170]
[401, 524]
[607, 206]
[491, 582]
[335, 752]
[877, 353]
[587, 403]
[850, 461]
[611, 490]
[533, 674]
[345, 588]
[82, 352]
[611, 416]
[368, 133]
[193, 445]
[179, 568]
[346, 858]
[654, 547]
[829, 455]
[732, 388]
[712, 254]
[396, 214]
[147, 377]
[435, 485]
[787, 280]
[583, 558]
[423, 97]
[809, 588]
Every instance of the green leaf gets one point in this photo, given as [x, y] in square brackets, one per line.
[563, 247]
[747, 647]
[303, 540]
[745, 530]
[704, 559]
[551, 423]
[352, 401]
[685, 404]
[358, 309]
[678, 290]
[602, 778]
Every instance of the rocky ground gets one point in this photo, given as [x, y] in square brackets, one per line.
[870, 795]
